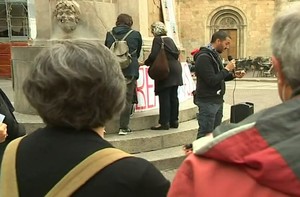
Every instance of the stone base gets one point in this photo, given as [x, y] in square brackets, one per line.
[22, 59]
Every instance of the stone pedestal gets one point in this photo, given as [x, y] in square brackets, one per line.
[96, 18]
[22, 59]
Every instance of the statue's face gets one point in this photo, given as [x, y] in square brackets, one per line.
[67, 17]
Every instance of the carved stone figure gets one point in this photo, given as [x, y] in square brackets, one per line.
[67, 13]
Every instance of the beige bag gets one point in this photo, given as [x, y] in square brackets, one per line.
[77, 177]
[121, 50]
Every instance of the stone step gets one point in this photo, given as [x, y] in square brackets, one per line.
[149, 140]
[164, 159]
[163, 148]
[139, 121]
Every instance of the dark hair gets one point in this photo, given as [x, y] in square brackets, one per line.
[124, 19]
[76, 84]
[222, 35]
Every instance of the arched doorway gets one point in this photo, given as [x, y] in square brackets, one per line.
[233, 21]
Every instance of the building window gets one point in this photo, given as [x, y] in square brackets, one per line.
[3, 21]
[14, 19]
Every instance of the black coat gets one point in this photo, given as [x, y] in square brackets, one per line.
[175, 75]
[47, 154]
[211, 76]
[134, 41]
[14, 129]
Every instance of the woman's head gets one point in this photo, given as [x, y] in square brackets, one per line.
[76, 84]
[158, 29]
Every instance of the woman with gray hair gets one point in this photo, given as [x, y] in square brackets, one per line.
[76, 87]
[166, 89]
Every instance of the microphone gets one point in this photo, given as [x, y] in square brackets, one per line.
[229, 57]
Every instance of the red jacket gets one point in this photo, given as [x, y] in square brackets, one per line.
[256, 158]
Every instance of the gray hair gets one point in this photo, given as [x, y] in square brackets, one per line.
[76, 84]
[158, 29]
[286, 44]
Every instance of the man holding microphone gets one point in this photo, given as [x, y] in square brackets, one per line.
[211, 76]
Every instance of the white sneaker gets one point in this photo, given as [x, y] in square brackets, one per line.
[124, 131]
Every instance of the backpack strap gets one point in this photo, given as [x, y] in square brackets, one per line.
[86, 169]
[8, 179]
[126, 35]
[113, 36]
[123, 39]
[212, 57]
[77, 177]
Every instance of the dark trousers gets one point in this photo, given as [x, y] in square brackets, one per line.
[125, 115]
[168, 105]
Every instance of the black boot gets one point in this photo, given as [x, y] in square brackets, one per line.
[174, 124]
[161, 127]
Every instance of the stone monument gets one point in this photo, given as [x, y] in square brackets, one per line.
[58, 20]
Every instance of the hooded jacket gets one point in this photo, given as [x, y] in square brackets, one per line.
[134, 42]
[211, 76]
[258, 157]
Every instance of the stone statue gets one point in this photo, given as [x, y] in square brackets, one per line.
[67, 14]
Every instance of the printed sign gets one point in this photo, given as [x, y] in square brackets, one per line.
[145, 88]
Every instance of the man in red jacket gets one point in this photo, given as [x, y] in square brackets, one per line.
[259, 156]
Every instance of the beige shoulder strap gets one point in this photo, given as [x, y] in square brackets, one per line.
[81, 173]
[8, 178]
[78, 176]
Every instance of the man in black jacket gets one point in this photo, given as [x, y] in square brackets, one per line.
[131, 73]
[211, 76]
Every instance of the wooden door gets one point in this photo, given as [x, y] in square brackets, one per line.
[233, 45]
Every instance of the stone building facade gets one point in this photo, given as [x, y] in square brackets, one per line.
[248, 22]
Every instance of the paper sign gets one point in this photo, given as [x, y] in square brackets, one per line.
[1, 118]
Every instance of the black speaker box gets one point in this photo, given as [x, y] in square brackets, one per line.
[241, 111]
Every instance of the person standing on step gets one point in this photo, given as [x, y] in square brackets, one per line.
[211, 76]
[75, 102]
[131, 73]
[166, 89]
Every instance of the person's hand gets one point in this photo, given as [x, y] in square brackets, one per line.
[240, 73]
[188, 149]
[230, 66]
[3, 132]
[141, 64]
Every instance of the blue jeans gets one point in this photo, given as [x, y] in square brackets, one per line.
[209, 117]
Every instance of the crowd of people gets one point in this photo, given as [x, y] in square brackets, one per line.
[256, 157]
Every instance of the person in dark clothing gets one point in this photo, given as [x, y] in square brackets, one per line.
[10, 125]
[131, 73]
[77, 87]
[210, 88]
[166, 89]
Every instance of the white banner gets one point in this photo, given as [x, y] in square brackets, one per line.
[145, 88]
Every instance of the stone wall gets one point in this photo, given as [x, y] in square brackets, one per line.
[253, 37]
